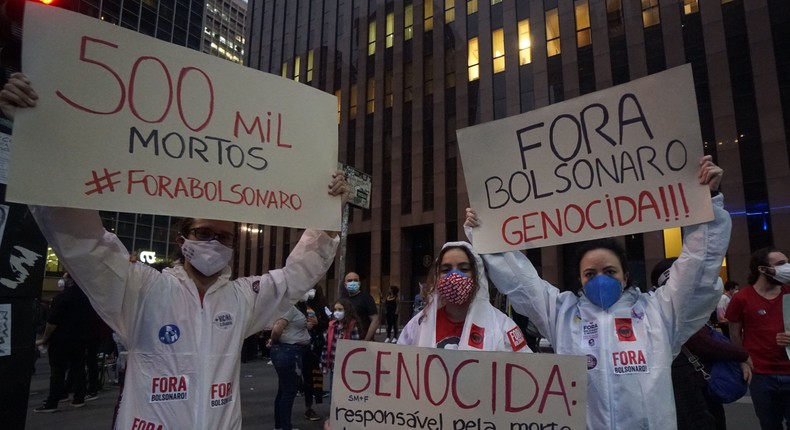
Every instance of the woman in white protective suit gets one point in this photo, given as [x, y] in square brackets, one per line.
[630, 338]
[458, 313]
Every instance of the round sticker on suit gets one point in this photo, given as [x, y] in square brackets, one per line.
[223, 320]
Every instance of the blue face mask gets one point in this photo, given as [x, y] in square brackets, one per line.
[352, 286]
[603, 290]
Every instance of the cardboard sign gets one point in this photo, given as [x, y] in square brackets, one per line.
[619, 161]
[129, 123]
[383, 386]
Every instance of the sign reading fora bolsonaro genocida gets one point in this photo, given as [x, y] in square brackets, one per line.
[129, 123]
[619, 161]
[383, 386]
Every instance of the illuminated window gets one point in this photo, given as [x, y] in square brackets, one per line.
[388, 98]
[449, 10]
[471, 7]
[371, 90]
[493, 2]
[408, 22]
[498, 48]
[524, 43]
[390, 30]
[690, 6]
[672, 242]
[337, 96]
[583, 35]
[650, 14]
[352, 109]
[372, 38]
[297, 64]
[310, 66]
[428, 15]
[473, 61]
[552, 33]
[284, 72]
[407, 82]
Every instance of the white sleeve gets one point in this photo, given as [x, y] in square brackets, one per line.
[692, 291]
[279, 289]
[95, 259]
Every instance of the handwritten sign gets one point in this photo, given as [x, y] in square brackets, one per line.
[619, 161]
[385, 386]
[130, 123]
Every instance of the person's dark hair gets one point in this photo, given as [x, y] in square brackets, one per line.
[433, 275]
[350, 311]
[759, 258]
[660, 268]
[610, 245]
[730, 285]
[394, 290]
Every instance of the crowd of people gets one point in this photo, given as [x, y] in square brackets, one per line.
[184, 327]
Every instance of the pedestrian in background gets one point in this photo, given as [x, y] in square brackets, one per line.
[312, 306]
[289, 342]
[391, 310]
[344, 325]
[66, 336]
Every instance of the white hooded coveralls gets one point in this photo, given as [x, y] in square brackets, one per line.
[500, 333]
[184, 356]
[629, 373]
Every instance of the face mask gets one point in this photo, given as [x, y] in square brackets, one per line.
[352, 286]
[339, 315]
[781, 273]
[603, 291]
[208, 257]
[456, 287]
[61, 284]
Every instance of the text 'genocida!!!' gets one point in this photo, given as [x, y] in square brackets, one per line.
[212, 149]
[573, 140]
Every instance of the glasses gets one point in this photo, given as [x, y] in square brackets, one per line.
[205, 234]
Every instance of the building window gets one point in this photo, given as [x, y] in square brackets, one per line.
[553, 33]
[449, 70]
[284, 72]
[390, 30]
[473, 61]
[352, 109]
[449, 11]
[388, 98]
[408, 22]
[310, 66]
[583, 34]
[408, 77]
[498, 48]
[493, 2]
[370, 95]
[524, 43]
[471, 7]
[372, 38]
[427, 73]
[428, 15]
[690, 6]
[614, 17]
[650, 13]
[297, 64]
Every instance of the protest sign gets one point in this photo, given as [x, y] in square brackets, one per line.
[618, 161]
[786, 317]
[129, 123]
[386, 386]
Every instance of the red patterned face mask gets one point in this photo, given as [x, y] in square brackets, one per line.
[456, 287]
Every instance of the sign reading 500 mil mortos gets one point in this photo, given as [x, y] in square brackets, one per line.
[129, 123]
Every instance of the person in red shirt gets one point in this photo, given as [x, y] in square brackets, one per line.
[756, 323]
